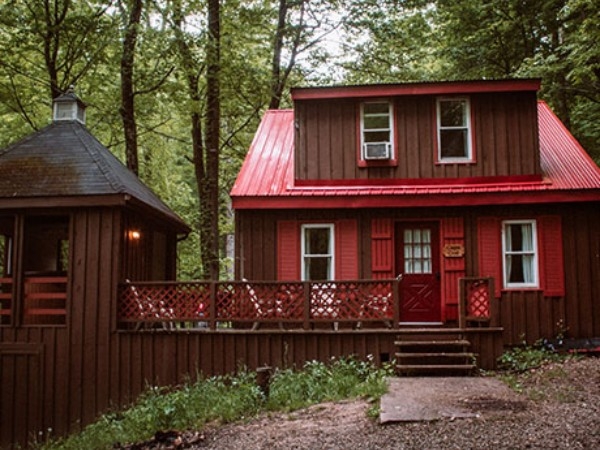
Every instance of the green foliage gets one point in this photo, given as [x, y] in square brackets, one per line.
[225, 398]
[524, 358]
[229, 398]
[320, 382]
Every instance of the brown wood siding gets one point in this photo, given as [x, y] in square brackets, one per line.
[504, 127]
[530, 315]
[527, 314]
[133, 360]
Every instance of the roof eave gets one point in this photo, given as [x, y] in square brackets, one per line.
[422, 88]
[416, 201]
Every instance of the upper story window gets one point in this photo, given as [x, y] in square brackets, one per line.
[454, 130]
[377, 134]
[317, 252]
[519, 246]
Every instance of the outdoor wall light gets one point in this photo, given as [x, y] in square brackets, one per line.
[134, 235]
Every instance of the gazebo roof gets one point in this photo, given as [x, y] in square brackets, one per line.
[65, 165]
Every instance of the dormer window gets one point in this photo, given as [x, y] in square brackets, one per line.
[454, 130]
[377, 131]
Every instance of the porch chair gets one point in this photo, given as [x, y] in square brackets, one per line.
[262, 308]
[149, 308]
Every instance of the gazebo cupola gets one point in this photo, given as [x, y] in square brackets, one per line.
[68, 107]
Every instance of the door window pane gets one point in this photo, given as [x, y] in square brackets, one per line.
[417, 251]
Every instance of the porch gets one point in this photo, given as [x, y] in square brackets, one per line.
[335, 305]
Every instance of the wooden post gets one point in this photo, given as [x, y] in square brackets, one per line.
[396, 299]
[462, 307]
[306, 288]
[263, 379]
[212, 306]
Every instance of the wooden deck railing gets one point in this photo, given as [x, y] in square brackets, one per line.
[45, 300]
[5, 300]
[475, 304]
[254, 303]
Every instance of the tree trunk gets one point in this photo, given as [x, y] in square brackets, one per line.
[276, 84]
[213, 120]
[127, 89]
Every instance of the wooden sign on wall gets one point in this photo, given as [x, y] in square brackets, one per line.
[454, 250]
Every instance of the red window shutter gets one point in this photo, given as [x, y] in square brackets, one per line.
[346, 249]
[382, 249]
[490, 250]
[552, 273]
[288, 251]
[453, 234]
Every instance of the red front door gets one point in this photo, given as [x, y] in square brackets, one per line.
[417, 259]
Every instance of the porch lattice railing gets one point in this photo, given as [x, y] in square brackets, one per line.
[213, 304]
[475, 304]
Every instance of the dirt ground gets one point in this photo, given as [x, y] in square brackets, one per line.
[557, 407]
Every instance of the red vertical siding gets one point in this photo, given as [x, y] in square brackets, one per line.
[288, 250]
[346, 249]
[382, 249]
[490, 252]
[453, 267]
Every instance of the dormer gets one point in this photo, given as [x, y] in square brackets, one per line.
[417, 132]
[68, 107]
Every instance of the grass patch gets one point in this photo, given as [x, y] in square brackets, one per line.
[227, 399]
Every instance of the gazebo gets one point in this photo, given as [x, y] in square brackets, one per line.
[74, 223]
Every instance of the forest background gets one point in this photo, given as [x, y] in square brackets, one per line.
[176, 88]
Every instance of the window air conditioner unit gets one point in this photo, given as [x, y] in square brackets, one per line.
[377, 150]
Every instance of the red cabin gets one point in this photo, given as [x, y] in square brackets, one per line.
[472, 194]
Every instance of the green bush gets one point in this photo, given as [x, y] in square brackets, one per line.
[526, 357]
[318, 382]
[227, 399]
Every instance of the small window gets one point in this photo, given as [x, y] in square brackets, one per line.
[317, 252]
[519, 245]
[454, 130]
[417, 251]
[376, 131]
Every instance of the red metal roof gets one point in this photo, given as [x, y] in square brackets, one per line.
[266, 179]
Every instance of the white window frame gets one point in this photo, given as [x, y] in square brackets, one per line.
[390, 130]
[506, 253]
[331, 253]
[454, 159]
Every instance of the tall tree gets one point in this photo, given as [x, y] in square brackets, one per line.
[48, 45]
[127, 111]
[210, 185]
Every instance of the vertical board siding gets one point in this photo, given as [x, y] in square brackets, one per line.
[504, 127]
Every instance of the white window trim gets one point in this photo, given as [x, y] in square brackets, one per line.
[390, 143]
[331, 253]
[536, 277]
[463, 159]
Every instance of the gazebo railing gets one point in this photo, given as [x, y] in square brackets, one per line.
[211, 305]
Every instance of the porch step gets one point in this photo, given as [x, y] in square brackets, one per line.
[435, 355]
[434, 343]
[435, 369]
[429, 352]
